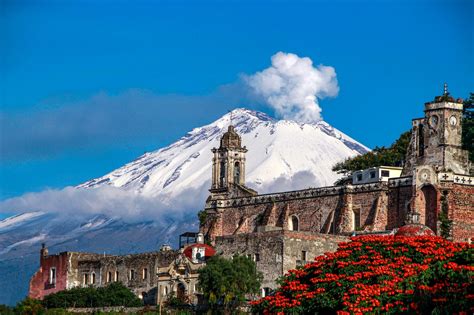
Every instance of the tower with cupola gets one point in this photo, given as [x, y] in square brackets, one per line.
[436, 140]
[228, 167]
[436, 158]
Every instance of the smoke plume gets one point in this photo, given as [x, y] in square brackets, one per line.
[292, 86]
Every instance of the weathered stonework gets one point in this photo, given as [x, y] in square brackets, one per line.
[283, 230]
[276, 252]
[153, 276]
[435, 165]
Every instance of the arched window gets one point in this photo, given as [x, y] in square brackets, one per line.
[356, 225]
[222, 174]
[93, 278]
[421, 141]
[293, 223]
[109, 276]
[181, 291]
[237, 173]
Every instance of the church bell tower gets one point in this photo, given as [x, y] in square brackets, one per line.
[436, 140]
[228, 167]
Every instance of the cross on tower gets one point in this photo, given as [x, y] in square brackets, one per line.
[231, 116]
[445, 92]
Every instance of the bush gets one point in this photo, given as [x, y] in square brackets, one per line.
[225, 283]
[380, 274]
[6, 310]
[29, 306]
[115, 294]
[380, 156]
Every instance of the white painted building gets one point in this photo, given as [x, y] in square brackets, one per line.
[375, 174]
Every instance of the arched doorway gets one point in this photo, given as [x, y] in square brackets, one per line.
[429, 206]
[237, 173]
[181, 292]
[293, 223]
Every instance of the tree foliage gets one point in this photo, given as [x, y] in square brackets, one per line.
[380, 156]
[468, 126]
[443, 218]
[115, 294]
[225, 283]
[380, 275]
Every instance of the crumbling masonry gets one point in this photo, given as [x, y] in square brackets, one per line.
[280, 231]
[283, 230]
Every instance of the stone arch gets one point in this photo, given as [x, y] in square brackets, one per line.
[222, 172]
[356, 219]
[428, 206]
[293, 223]
[181, 291]
[237, 171]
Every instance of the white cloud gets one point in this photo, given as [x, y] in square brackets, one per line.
[112, 202]
[300, 180]
[292, 86]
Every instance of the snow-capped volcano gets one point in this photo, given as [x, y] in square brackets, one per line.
[276, 149]
[281, 155]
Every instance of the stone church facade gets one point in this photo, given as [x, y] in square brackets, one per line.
[154, 277]
[283, 230]
[280, 231]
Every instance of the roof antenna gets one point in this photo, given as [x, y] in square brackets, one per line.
[231, 116]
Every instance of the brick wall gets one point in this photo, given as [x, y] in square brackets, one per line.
[328, 211]
[276, 252]
[461, 211]
[40, 285]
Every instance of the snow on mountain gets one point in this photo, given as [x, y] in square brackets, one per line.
[277, 149]
[18, 219]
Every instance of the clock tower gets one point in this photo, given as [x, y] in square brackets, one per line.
[228, 168]
[436, 140]
[434, 156]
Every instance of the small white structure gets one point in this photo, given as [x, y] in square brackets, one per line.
[375, 174]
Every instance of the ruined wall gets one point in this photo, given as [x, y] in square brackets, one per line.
[313, 245]
[74, 269]
[266, 249]
[365, 208]
[80, 264]
[461, 211]
[136, 271]
[399, 196]
[320, 210]
[40, 285]
[276, 252]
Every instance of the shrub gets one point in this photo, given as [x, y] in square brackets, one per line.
[29, 306]
[225, 283]
[115, 294]
[380, 274]
[6, 310]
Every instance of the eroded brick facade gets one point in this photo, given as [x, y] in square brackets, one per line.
[437, 174]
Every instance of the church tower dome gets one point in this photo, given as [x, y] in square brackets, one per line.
[231, 139]
[228, 167]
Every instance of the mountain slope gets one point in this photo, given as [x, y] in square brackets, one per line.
[275, 149]
[281, 155]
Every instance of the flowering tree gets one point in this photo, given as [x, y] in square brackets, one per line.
[380, 275]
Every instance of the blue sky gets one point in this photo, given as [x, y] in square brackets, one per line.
[86, 86]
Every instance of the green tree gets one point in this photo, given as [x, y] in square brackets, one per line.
[443, 218]
[468, 126]
[225, 283]
[391, 156]
[115, 294]
[6, 310]
[29, 306]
